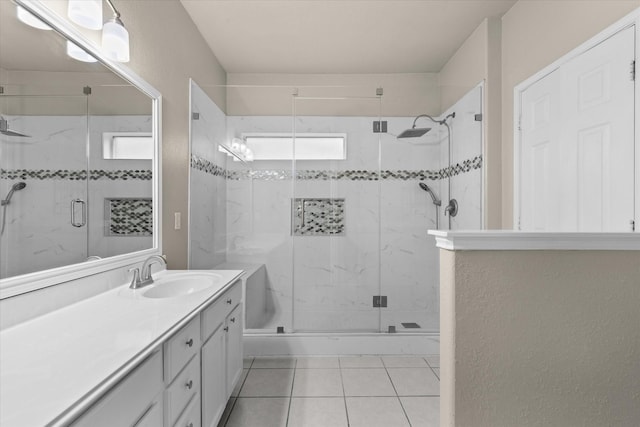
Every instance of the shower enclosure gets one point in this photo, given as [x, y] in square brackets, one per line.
[77, 202]
[341, 230]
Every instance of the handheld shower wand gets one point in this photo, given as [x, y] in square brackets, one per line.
[15, 187]
[436, 201]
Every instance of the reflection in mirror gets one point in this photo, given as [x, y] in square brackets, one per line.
[63, 202]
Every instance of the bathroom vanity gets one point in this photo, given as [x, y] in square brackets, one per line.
[145, 357]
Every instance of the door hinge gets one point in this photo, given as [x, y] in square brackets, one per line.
[633, 70]
[379, 300]
[380, 126]
[632, 223]
[86, 90]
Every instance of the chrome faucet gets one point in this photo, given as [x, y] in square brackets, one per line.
[452, 208]
[142, 279]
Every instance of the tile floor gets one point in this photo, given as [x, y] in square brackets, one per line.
[349, 391]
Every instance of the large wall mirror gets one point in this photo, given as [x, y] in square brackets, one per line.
[79, 156]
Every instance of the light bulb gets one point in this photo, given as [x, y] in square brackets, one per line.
[235, 144]
[30, 19]
[77, 53]
[115, 40]
[248, 155]
[243, 147]
[86, 13]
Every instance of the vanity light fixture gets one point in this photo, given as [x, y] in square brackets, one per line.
[77, 53]
[115, 37]
[30, 19]
[86, 13]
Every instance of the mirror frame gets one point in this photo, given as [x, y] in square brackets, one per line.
[13, 286]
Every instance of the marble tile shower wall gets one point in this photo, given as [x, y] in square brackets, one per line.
[208, 187]
[384, 250]
[53, 162]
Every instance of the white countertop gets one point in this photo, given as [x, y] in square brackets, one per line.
[68, 358]
[498, 240]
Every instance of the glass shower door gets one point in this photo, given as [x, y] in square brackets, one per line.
[335, 212]
[43, 186]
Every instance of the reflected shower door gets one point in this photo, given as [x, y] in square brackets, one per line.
[335, 212]
[45, 217]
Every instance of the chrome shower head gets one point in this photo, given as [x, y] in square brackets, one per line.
[15, 187]
[413, 132]
[434, 198]
[4, 129]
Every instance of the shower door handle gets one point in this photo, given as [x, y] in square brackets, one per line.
[83, 218]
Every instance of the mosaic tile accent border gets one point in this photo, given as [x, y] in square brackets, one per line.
[204, 165]
[77, 175]
[318, 217]
[325, 175]
[128, 217]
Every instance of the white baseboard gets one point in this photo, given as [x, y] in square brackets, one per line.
[340, 344]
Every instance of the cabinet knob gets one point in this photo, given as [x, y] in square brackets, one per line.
[189, 384]
[190, 342]
[226, 328]
[229, 301]
[233, 320]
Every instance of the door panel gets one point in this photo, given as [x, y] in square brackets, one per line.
[577, 143]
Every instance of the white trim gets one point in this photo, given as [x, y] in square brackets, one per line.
[33, 281]
[501, 240]
[340, 344]
[627, 21]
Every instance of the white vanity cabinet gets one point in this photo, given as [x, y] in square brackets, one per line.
[221, 353]
[135, 401]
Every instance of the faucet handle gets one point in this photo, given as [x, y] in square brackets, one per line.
[135, 280]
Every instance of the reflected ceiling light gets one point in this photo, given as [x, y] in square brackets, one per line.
[115, 38]
[30, 19]
[76, 52]
[86, 13]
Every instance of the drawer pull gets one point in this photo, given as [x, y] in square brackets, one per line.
[233, 320]
[189, 342]
[189, 384]
[229, 301]
[226, 328]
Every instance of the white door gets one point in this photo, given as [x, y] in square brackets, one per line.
[577, 143]
[539, 169]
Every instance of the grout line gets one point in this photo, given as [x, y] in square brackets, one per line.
[397, 396]
[293, 381]
[344, 393]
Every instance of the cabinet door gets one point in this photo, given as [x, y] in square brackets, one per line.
[214, 393]
[234, 348]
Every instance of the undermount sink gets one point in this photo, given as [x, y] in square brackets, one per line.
[182, 284]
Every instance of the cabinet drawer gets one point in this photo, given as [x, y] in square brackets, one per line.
[191, 415]
[128, 401]
[180, 348]
[214, 315]
[185, 386]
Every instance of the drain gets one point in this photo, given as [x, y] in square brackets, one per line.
[410, 325]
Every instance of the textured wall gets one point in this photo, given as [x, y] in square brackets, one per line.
[540, 338]
[534, 34]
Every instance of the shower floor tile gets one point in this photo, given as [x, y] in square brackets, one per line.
[338, 392]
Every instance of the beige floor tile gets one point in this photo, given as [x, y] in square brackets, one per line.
[317, 412]
[268, 383]
[414, 381]
[404, 362]
[274, 363]
[433, 360]
[317, 382]
[361, 362]
[262, 412]
[318, 362]
[375, 412]
[367, 382]
[422, 411]
[238, 386]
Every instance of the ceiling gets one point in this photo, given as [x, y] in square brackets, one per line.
[338, 36]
